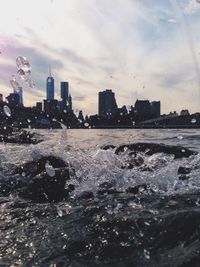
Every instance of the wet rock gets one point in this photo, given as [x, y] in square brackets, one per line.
[41, 185]
[44, 188]
[9, 135]
[183, 177]
[152, 148]
[184, 170]
[35, 167]
[106, 147]
[136, 189]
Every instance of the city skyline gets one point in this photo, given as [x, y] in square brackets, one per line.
[138, 50]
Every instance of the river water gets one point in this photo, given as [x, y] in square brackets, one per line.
[159, 226]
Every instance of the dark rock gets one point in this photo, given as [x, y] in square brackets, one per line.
[19, 137]
[136, 189]
[44, 188]
[152, 148]
[183, 177]
[184, 170]
[87, 195]
[38, 184]
[35, 167]
[106, 147]
[110, 191]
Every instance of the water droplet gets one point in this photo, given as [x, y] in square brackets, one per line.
[193, 121]
[60, 213]
[7, 111]
[180, 137]
[21, 74]
[198, 202]
[65, 111]
[22, 63]
[147, 254]
[15, 85]
[133, 123]
[63, 126]
[86, 124]
[50, 169]
[30, 83]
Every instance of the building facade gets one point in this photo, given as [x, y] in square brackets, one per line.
[107, 103]
[64, 91]
[155, 109]
[19, 91]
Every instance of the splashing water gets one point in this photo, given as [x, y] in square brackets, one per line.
[15, 85]
[24, 72]
[30, 83]
[21, 74]
[23, 64]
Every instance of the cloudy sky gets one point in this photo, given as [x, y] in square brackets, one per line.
[145, 49]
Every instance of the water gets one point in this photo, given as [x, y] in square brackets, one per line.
[7, 111]
[15, 85]
[23, 65]
[102, 223]
[24, 73]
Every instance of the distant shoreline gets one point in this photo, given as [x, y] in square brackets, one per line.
[125, 127]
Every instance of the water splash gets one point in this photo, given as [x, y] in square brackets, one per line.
[24, 73]
[23, 64]
[7, 111]
[30, 83]
[15, 85]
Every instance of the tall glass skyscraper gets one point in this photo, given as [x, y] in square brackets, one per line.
[50, 87]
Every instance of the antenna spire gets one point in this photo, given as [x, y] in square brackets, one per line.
[50, 70]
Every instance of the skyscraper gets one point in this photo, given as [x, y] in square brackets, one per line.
[69, 106]
[107, 103]
[50, 86]
[66, 99]
[64, 90]
[19, 91]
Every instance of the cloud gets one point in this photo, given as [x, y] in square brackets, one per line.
[133, 47]
[79, 98]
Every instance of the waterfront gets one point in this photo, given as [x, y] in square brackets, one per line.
[156, 227]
